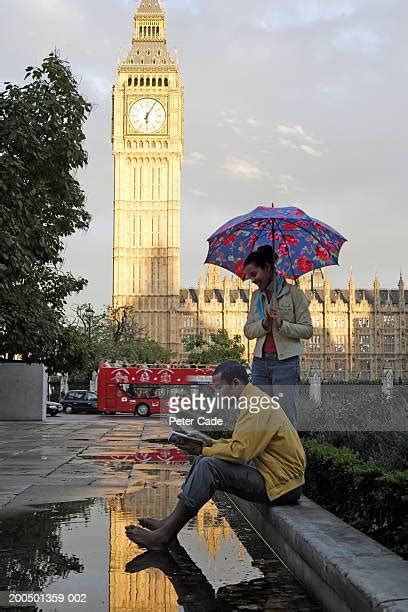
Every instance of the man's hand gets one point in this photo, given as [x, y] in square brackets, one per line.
[191, 446]
[197, 434]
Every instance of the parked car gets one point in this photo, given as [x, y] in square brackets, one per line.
[80, 400]
[53, 408]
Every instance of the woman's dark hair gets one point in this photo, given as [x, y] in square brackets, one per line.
[262, 256]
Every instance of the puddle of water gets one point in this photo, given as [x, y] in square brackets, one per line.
[77, 554]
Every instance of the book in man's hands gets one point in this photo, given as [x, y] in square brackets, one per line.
[176, 437]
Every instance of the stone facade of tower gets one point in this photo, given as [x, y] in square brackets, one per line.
[147, 142]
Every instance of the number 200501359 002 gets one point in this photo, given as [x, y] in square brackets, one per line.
[30, 597]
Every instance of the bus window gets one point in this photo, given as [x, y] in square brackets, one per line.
[142, 391]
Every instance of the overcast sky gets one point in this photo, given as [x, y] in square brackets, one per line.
[287, 101]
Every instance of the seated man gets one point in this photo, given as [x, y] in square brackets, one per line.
[264, 461]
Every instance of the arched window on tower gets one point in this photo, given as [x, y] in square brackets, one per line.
[153, 82]
[141, 81]
[135, 82]
[129, 81]
[157, 31]
[140, 31]
[166, 82]
[154, 61]
[147, 82]
[159, 82]
[149, 31]
[145, 30]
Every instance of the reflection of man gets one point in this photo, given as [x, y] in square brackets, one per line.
[263, 461]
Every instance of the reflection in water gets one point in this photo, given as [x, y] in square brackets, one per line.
[205, 539]
[81, 547]
[31, 549]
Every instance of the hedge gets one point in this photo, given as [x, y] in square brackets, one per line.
[364, 494]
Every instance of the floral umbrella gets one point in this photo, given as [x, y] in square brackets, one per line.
[301, 242]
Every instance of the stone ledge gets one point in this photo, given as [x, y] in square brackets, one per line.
[343, 569]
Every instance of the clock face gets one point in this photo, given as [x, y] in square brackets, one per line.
[147, 115]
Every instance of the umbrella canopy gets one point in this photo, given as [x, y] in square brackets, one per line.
[302, 243]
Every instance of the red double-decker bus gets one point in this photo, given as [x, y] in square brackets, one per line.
[143, 390]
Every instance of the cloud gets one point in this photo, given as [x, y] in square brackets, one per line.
[97, 86]
[252, 122]
[195, 159]
[242, 168]
[285, 183]
[299, 140]
[357, 38]
[310, 150]
[231, 119]
[296, 14]
[287, 129]
[198, 194]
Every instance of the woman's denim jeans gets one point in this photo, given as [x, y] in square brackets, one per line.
[280, 379]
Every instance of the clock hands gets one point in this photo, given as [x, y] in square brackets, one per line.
[148, 113]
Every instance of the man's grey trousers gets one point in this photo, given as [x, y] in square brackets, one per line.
[208, 475]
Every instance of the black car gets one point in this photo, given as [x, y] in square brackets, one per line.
[53, 408]
[80, 401]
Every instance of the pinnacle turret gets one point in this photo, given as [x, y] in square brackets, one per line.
[149, 7]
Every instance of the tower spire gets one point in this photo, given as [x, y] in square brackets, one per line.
[149, 7]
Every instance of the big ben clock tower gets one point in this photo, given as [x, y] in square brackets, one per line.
[147, 141]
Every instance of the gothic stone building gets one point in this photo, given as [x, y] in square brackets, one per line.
[355, 330]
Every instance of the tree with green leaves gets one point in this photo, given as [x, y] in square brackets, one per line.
[41, 203]
[116, 336]
[220, 348]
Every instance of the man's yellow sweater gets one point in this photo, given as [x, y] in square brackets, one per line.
[268, 439]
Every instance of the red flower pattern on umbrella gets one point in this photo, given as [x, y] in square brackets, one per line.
[304, 264]
[289, 239]
[229, 239]
[322, 253]
[239, 269]
[283, 249]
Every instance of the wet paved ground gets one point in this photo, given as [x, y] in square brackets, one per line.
[62, 528]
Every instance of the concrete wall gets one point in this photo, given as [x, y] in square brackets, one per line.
[23, 392]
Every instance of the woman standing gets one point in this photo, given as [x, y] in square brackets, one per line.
[278, 318]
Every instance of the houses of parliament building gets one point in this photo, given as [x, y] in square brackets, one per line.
[356, 331]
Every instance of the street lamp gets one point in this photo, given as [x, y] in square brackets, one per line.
[89, 314]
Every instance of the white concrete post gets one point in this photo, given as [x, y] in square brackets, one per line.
[387, 379]
[315, 384]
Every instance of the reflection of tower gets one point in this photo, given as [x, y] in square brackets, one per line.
[149, 590]
[214, 529]
[147, 141]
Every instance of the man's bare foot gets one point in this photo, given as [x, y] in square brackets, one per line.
[161, 560]
[151, 523]
[152, 540]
